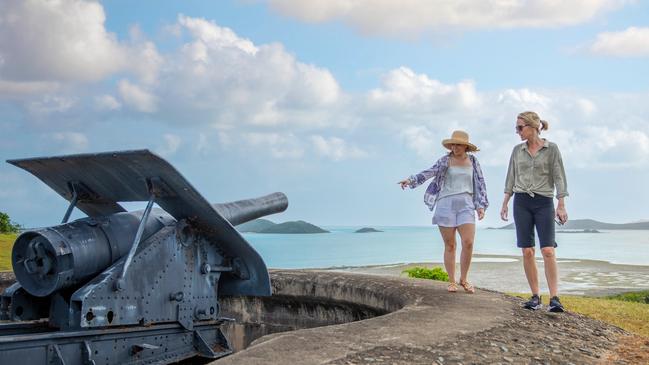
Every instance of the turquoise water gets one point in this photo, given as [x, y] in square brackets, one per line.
[395, 245]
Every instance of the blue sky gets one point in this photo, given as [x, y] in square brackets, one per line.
[331, 102]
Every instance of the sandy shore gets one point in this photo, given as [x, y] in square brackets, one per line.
[505, 274]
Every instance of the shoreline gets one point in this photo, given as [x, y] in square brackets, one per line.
[481, 258]
[504, 273]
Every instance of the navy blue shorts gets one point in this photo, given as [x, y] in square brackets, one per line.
[530, 212]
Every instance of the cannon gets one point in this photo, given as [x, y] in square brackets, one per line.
[121, 287]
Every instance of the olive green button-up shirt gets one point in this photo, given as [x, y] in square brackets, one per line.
[536, 175]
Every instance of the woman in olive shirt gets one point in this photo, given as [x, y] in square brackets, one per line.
[535, 170]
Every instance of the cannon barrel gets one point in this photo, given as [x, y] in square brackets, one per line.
[242, 211]
[49, 259]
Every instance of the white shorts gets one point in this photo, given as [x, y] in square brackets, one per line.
[454, 210]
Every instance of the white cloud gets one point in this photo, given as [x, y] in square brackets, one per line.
[605, 146]
[219, 79]
[216, 76]
[281, 146]
[136, 97]
[58, 41]
[525, 98]
[222, 78]
[51, 104]
[171, 144]
[215, 37]
[69, 142]
[66, 41]
[421, 140]
[402, 88]
[412, 17]
[107, 102]
[17, 89]
[594, 131]
[632, 42]
[587, 107]
[336, 148]
[146, 62]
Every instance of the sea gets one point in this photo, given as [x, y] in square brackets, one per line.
[397, 245]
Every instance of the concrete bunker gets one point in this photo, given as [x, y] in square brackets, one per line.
[304, 300]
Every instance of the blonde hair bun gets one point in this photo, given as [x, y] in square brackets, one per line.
[532, 119]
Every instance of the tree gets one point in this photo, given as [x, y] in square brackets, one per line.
[6, 226]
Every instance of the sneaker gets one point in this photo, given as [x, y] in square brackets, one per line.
[533, 303]
[555, 305]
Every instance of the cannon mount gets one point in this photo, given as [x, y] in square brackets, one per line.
[124, 287]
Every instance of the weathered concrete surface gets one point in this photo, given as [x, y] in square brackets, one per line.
[421, 312]
[427, 325]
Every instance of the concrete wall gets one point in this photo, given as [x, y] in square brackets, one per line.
[256, 317]
[304, 300]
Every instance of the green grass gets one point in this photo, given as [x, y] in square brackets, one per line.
[436, 273]
[6, 244]
[629, 315]
[638, 297]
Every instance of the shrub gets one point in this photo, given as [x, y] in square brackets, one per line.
[436, 273]
[6, 226]
[638, 297]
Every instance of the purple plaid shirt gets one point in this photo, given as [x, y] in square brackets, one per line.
[438, 173]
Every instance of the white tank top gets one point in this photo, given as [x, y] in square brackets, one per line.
[459, 179]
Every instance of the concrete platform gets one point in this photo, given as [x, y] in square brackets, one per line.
[416, 322]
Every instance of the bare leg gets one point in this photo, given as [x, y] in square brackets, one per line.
[467, 235]
[448, 235]
[529, 264]
[551, 271]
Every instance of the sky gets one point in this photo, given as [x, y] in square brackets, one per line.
[331, 102]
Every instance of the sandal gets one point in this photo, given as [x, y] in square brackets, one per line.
[467, 287]
[452, 287]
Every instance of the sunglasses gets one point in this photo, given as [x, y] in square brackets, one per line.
[519, 128]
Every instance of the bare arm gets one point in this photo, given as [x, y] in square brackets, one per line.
[561, 213]
[505, 208]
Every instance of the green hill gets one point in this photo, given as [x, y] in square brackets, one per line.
[255, 226]
[593, 224]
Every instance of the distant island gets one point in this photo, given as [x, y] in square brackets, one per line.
[591, 224]
[255, 226]
[367, 230]
[266, 226]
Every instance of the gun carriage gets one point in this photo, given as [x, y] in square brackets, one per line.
[123, 287]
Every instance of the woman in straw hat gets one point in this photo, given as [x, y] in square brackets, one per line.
[458, 190]
[535, 170]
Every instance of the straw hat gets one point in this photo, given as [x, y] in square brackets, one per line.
[460, 137]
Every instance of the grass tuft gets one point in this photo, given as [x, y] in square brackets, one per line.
[436, 273]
